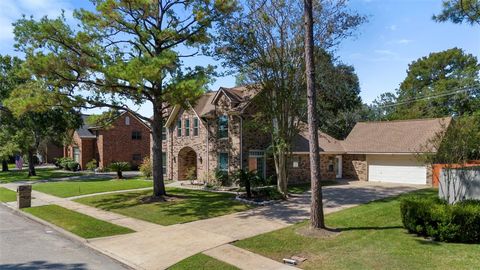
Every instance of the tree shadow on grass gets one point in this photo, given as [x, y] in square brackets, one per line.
[34, 265]
[368, 228]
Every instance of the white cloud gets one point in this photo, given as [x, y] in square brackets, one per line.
[403, 41]
[392, 27]
[12, 10]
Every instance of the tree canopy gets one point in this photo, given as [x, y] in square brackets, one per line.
[441, 84]
[459, 11]
[125, 52]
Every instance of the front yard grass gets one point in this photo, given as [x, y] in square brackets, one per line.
[187, 206]
[66, 189]
[42, 173]
[77, 223]
[372, 237]
[202, 261]
[6, 195]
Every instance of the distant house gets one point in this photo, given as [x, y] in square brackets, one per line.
[126, 139]
[214, 135]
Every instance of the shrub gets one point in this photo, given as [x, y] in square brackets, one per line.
[72, 166]
[119, 167]
[247, 179]
[62, 162]
[92, 165]
[222, 177]
[441, 221]
[191, 173]
[146, 167]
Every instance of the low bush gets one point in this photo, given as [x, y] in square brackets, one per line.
[119, 167]
[62, 162]
[435, 218]
[221, 177]
[146, 167]
[92, 165]
[72, 166]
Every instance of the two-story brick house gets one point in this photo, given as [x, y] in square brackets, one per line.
[213, 135]
[126, 139]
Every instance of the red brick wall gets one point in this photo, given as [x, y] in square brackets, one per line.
[116, 143]
[86, 147]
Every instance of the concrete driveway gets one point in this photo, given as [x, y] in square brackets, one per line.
[162, 246]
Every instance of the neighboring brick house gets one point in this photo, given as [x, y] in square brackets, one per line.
[215, 134]
[126, 139]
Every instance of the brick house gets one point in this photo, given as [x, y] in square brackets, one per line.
[214, 134]
[126, 139]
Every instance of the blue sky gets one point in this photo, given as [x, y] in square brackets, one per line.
[397, 33]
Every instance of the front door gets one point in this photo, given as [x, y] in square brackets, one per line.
[338, 167]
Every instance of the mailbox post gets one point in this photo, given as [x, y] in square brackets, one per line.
[24, 196]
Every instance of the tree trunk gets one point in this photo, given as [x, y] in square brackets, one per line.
[31, 165]
[119, 175]
[316, 211]
[4, 165]
[282, 173]
[248, 188]
[157, 162]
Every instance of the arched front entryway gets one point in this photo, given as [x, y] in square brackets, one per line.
[187, 164]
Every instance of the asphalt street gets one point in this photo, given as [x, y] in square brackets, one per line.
[26, 244]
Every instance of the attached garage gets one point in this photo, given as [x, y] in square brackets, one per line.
[396, 169]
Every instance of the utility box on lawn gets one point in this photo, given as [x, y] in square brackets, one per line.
[24, 196]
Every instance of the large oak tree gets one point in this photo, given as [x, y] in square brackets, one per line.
[126, 52]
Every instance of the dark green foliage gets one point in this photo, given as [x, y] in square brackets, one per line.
[429, 216]
[73, 166]
[119, 167]
[92, 165]
[247, 179]
[222, 177]
[459, 11]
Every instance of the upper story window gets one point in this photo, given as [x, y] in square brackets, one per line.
[222, 126]
[195, 126]
[179, 128]
[187, 127]
[136, 135]
[127, 120]
[164, 133]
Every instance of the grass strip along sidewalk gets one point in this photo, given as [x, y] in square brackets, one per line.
[66, 189]
[202, 261]
[7, 195]
[77, 223]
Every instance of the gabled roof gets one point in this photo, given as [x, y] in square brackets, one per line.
[381, 137]
[404, 136]
[84, 131]
[205, 105]
[327, 143]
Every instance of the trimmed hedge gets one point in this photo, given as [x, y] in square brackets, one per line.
[426, 216]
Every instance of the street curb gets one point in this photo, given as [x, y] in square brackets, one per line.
[70, 236]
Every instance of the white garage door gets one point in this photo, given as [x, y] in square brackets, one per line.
[396, 169]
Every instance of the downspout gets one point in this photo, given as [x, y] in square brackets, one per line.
[208, 152]
[241, 141]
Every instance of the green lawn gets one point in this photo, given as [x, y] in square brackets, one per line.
[372, 237]
[6, 195]
[77, 223]
[189, 205]
[75, 188]
[42, 173]
[202, 262]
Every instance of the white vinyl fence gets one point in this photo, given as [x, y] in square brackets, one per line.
[459, 184]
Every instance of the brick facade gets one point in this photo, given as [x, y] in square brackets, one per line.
[355, 167]
[113, 143]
